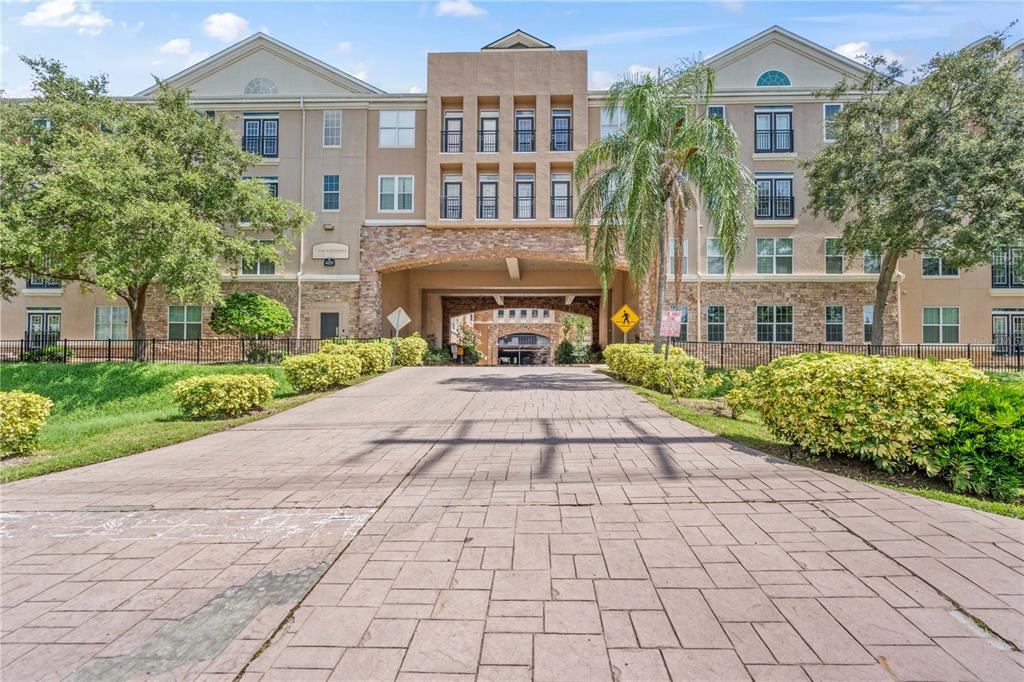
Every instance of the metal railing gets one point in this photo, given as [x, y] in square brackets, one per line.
[1006, 355]
[451, 141]
[487, 141]
[197, 351]
[451, 208]
[561, 207]
[524, 208]
[774, 206]
[779, 140]
[262, 145]
[42, 283]
[561, 139]
[487, 207]
[525, 140]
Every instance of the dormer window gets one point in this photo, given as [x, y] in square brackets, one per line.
[261, 86]
[772, 79]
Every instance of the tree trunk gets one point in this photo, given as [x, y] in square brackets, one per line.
[882, 288]
[136, 301]
[660, 281]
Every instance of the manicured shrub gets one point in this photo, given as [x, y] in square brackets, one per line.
[51, 353]
[884, 410]
[680, 375]
[410, 351]
[22, 414]
[250, 314]
[565, 353]
[347, 348]
[321, 371]
[375, 356]
[982, 451]
[222, 395]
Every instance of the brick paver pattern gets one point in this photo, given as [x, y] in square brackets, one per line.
[496, 524]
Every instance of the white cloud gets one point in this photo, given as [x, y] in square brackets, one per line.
[602, 80]
[858, 49]
[733, 5]
[415, 90]
[225, 26]
[359, 70]
[631, 36]
[343, 46]
[68, 13]
[176, 46]
[23, 90]
[458, 8]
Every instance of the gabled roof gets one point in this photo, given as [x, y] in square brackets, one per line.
[777, 34]
[261, 41]
[518, 40]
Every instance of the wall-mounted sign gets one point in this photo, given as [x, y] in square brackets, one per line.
[328, 262]
[330, 250]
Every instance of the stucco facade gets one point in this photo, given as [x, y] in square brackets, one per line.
[460, 197]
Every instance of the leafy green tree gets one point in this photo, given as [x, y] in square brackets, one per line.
[934, 164]
[638, 183]
[122, 196]
[250, 315]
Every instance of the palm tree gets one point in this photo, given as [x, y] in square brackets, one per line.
[637, 184]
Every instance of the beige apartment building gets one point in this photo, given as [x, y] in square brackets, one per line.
[460, 201]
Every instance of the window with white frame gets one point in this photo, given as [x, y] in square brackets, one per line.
[684, 322]
[834, 315]
[932, 265]
[332, 193]
[834, 257]
[332, 128]
[716, 261]
[775, 256]
[395, 193]
[716, 322]
[184, 322]
[258, 266]
[110, 323]
[397, 128]
[869, 321]
[829, 112]
[775, 323]
[670, 270]
[716, 111]
[872, 263]
[613, 119]
[941, 325]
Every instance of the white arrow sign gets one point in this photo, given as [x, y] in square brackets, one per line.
[399, 318]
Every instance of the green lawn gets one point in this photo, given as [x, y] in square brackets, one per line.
[749, 430]
[106, 410]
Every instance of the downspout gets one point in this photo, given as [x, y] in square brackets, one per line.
[699, 270]
[302, 233]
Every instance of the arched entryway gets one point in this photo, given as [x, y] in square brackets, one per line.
[523, 348]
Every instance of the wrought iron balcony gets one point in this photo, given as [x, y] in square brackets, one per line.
[488, 141]
[42, 283]
[774, 207]
[451, 208]
[487, 208]
[261, 145]
[525, 140]
[451, 141]
[561, 207]
[524, 208]
[777, 141]
[561, 139]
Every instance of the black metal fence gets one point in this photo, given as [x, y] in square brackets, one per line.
[199, 351]
[729, 355]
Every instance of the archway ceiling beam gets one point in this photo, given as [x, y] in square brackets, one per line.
[513, 268]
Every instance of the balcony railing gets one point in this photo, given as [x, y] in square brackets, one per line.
[525, 140]
[451, 208]
[487, 208]
[261, 145]
[488, 141]
[561, 207]
[524, 208]
[1008, 268]
[773, 141]
[561, 139]
[451, 141]
[42, 283]
[774, 207]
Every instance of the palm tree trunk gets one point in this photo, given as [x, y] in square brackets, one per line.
[660, 280]
[889, 261]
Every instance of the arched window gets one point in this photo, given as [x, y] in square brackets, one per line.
[261, 86]
[772, 78]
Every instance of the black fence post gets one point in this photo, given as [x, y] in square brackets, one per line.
[199, 350]
[721, 355]
[109, 349]
[918, 351]
[152, 354]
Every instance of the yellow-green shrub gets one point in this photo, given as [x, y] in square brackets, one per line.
[22, 414]
[374, 355]
[680, 375]
[222, 395]
[321, 371]
[879, 409]
[347, 348]
[410, 351]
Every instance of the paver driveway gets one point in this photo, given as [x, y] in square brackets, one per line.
[500, 523]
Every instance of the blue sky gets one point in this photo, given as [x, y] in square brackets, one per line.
[385, 42]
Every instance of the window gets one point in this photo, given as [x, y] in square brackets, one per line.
[523, 197]
[1008, 268]
[872, 263]
[332, 193]
[40, 125]
[525, 133]
[451, 135]
[671, 269]
[561, 130]
[869, 321]
[716, 111]
[941, 325]
[716, 323]
[775, 256]
[501, 313]
[773, 130]
[332, 128]
[716, 261]
[269, 181]
[684, 322]
[260, 86]
[547, 313]
[834, 315]
[932, 266]
[775, 323]
[774, 197]
[395, 193]
[259, 267]
[396, 128]
[561, 196]
[613, 119]
[451, 199]
[535, 312]
[110, 323]
[487, 198]
[772, 79]
[834, 257]
[39, 282]
[184, 322]
[829, 121]
[260, 135]
[488, 142]
[512, 314]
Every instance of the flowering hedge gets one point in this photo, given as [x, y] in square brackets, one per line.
[680, 375]
[22, 414]
[222, 395]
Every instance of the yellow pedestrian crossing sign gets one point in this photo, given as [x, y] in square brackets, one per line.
[625, 319]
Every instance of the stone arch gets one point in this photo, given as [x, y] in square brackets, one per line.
[454, 306]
